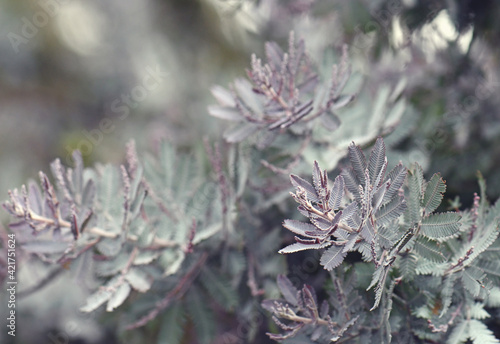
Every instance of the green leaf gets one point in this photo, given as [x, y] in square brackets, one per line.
[472, 279]
[351, 183]
[493, 299]
[110, 198]
[225, 112]
[240, 132]
[317, 177]
[237, 264]
[492, 268]
[119, 296]
[206, 232]
[172, 325]
[379, 278]
[480, 242]
[168, 159]
[287, 289]
[442, 225]
[388, 237]
[447, 292]
[96, 299]
[481, 334]
[459, 334]
[219, 288]
[145, 257]
[433, 193]
[300, 228]
[139, 280]
[301, 247]
[171, 261]
[397, 177]
[110, 247]
[391, 211]
[45, 246]
[415, 180]
[310, 191]
[336, 193]
[358, 162]
[427, 267]
[243, 168]
[477, 311]
[401, 243]
[112, 266]
[223, 96]
[483, 205]
[201, 316]
[136, 182]
[408, 265]
[376, 277]
[333, 257]
[429, 250]
[377, 161]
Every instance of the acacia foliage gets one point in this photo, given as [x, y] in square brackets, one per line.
[166, 243]
[437, 267]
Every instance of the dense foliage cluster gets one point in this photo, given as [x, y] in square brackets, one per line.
[189, 239]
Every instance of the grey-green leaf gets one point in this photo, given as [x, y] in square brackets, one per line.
[119, 296]
[45, 246]
[225, 112]
[333, 257]
[439, 226]
[299, 228]
[481, 334]
[201, 316]
[310, 191]
[433, 193]
[428, 250]
[223, 96]
[301, 247]
[240, 133]
[96, 299]
[172, 326]
[415, 180]
[219, 288]
[287, 289]
[397, 177]
[358, 162]
[377, 160]
[459, 334]
[139, 280]
[336, 193]
[390, 211]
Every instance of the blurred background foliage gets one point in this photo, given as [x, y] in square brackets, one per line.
[77, 75]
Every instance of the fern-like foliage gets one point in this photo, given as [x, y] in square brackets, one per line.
[137, 222]
[282, 92]
[364, 220]
[299, 312]
[444, 262]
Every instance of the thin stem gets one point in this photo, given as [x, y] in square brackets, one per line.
[175, 294]
[304, 320]
[157, 242]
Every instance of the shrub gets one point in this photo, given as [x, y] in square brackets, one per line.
[176, 240]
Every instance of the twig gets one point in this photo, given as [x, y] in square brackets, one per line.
[444, 327]
[459, 263]
[175, 294]
[252, 283]
[159, 202]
